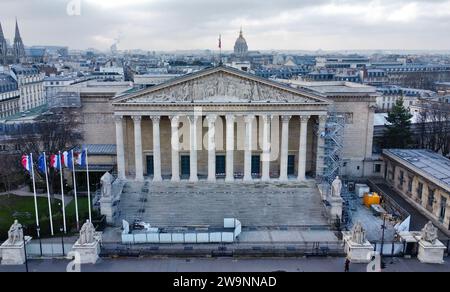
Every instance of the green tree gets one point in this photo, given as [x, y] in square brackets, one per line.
[398, 127]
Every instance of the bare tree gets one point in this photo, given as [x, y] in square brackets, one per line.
[434, 126]
[53, 131]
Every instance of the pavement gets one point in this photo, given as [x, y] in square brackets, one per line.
[223, 265]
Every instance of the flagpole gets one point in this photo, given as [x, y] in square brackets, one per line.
[35, 197]
[62, 193]
[75, 191]
[48, 196]
[88, 186]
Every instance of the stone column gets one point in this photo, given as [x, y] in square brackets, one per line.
[248, 147]
[157, 177]
[303, 144]
[266, 148]
[320, 152]
[284, 148]
[138, 148]
[120, 147]
[230, 148]
[193, 143]
[175, 143]
[211, 147]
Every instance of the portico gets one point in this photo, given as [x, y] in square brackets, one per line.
[219, 124]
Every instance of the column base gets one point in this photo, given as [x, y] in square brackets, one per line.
[212, 180]
[193, 179]
[283, 179]
[157, 179]
[229, 180]
[175, 179]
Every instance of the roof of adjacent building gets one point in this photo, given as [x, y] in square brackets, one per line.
[430, 165]
[98, 149]
[21, 70]
[333, 87]
[7, 83]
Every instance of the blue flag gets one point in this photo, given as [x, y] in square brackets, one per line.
[42, 164]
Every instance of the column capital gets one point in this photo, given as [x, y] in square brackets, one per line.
[323, 119]
[211, 118]
[193, 119]
[286, 119]
[249, 119]
[155, 119]
[118, 118]
[304, 119]
[230, 118]
[175, 121]
[136, 119]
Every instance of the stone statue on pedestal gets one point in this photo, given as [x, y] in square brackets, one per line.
[336, 188]
[358, 234]
[87, 233]
[106, 182]
[15, 233]
[430, 233]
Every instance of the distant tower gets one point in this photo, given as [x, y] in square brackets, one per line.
[241, 47]
[3, 47]
[18, 48]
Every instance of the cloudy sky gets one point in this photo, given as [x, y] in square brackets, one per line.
[196, 24]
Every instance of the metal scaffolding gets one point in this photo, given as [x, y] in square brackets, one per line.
[333, 146]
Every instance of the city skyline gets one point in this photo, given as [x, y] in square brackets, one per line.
[286, 25]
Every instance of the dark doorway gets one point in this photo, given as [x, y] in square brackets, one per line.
[220, 165]
[256, 165]
[291, 165]
[185, 166]
[150, 166]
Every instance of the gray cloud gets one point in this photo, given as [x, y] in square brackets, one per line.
[196, 24]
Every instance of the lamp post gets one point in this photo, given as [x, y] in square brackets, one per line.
[25, 249]
[38, 229]
[383, 228]
[62, 241]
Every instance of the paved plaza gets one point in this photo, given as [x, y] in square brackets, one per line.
[203, 204]
[228, 265]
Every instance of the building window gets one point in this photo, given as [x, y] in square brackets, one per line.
[377, 168]
[443, 209]
[420, 190]
[430, 198]
[410, 184]
[401, 179]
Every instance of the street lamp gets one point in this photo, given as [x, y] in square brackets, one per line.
[25, 249]
[62, 241]
[38, 230]
[383, 228]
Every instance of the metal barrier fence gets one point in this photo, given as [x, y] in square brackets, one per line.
[241, 249]
[399, 249]
[49, 250]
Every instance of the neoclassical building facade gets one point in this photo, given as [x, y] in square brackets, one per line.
[220, 123]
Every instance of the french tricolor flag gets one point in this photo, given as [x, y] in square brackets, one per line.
[26, 162]
[67, 159]
[54, 162]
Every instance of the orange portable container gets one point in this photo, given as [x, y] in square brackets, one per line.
[371, 199]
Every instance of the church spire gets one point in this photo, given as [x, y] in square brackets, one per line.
[19, 47]
[2, 36]
[17, 36]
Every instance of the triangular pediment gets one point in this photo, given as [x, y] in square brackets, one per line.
[221, 85]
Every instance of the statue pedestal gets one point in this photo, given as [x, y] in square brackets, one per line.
[335, 208]
[358, 253]
[14, 254]
[431, 253]
[107, 208]
[89, 252]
